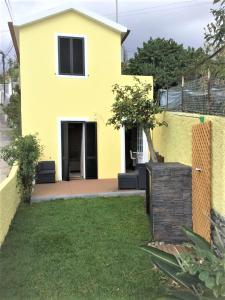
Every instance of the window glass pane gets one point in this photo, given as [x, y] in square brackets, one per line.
[139, 140]
[78, 56]
[64, 56]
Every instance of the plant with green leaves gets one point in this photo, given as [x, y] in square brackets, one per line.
[133, 106]
[13, 111]
[215, 33]
[13, 70]
[165, 60]
[25, 152]
[200, 270]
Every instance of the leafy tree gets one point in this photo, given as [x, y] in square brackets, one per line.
[133, 106]
[13, 70]
[216, 65]
[24, 151]
[215, 32]
[13, 111]
[165, 60]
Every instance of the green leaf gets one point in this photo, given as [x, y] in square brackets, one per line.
[196, 239]
[204, 276]
[219, 276]
[184, 295]
[223, 290]
[162, 256]
[210, 282]
[185, 280]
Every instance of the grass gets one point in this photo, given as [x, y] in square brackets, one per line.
[78, 249]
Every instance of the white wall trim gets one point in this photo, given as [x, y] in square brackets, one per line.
[73, 35]
[145, 157]
[122, 150]
[59, 142]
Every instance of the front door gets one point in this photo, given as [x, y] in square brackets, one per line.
[90, 153]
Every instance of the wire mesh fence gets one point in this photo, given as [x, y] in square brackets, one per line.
[204, 96]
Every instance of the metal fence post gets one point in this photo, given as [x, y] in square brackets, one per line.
[182, 93]
[167, 98]
[209, 91]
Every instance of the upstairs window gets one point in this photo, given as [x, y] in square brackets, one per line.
[71, 56]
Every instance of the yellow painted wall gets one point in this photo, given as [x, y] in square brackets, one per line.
[9, 201]
[175, 143]
[46, 97]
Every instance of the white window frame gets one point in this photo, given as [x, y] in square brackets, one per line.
[59, 138]
[57, 35]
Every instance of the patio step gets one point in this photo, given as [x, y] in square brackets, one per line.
[91, 195]
[88, 188]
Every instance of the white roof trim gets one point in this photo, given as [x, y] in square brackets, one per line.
[67, 7]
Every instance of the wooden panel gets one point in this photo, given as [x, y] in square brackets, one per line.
[201, 179]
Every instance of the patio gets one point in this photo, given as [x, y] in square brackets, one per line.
[80, 189]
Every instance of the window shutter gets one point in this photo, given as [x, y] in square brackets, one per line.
[78, 56]
[64, 55]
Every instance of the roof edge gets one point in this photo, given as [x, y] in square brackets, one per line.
[14, 40]
[69, 7]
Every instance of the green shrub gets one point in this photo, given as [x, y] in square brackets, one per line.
[24, 151]
[13, 111]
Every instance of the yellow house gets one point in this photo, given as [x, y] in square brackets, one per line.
[69, 60]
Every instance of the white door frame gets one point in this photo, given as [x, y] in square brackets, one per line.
[122, 150]
[145, 157]
[59, 137]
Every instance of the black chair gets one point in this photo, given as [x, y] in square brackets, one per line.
[128, 180]
[45, 172]
[133, 180]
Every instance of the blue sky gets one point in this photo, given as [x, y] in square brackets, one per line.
[182, 20]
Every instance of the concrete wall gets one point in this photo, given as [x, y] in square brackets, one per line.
[9, 201]
[175, 144]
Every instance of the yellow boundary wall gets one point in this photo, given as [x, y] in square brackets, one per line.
[9, 201]
[175, 144]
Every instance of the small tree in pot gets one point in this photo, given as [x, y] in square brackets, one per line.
[134, 106]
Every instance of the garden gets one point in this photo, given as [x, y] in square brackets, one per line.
[79, 249]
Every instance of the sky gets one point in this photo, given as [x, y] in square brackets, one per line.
[182, 20]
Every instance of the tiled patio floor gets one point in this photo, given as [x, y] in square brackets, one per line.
[80, 188]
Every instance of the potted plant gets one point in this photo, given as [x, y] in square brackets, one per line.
[134, 106]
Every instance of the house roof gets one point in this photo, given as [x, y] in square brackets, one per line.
[71, 6]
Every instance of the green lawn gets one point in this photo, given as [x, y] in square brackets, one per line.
[78, 249]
